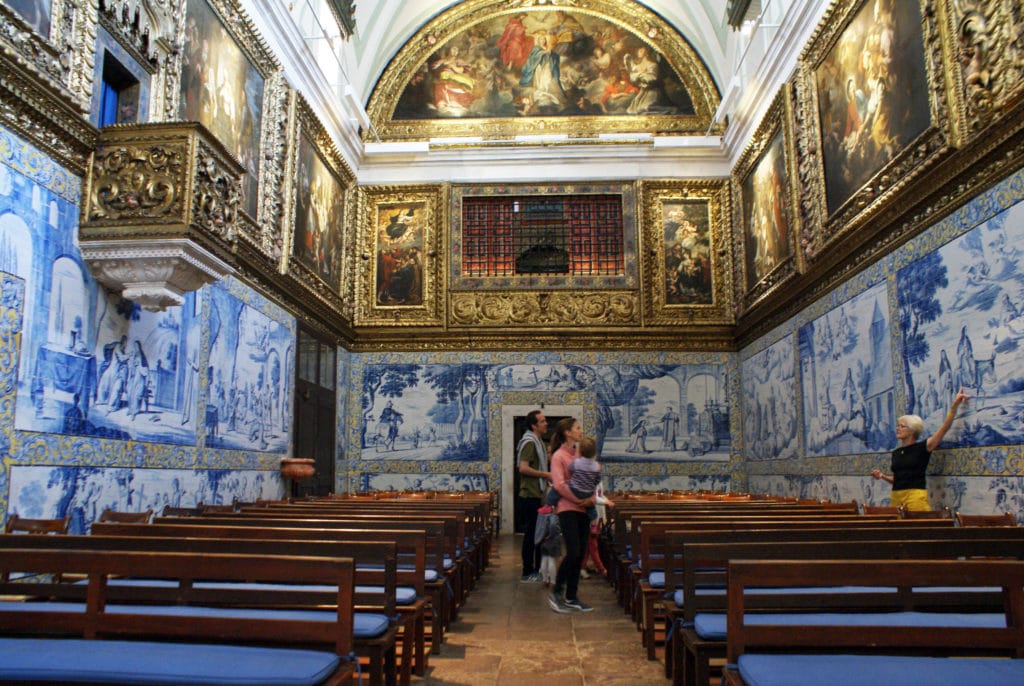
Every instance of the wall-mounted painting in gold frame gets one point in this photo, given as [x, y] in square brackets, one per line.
[318, 196]
[686, 252]
[765, 209]
[230, 82]
[399, 262]
[874, 110]
[498, 69]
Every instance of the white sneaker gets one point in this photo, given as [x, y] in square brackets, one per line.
[584, 574]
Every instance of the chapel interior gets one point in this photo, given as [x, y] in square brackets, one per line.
[736, 239]
[283, 252]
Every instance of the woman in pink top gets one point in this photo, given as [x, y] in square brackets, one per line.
[572, 516]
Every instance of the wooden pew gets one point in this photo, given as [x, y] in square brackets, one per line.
[106, 642]
[454, 567]
[692, 649]
[419, 554]
[805, 652]
[638, 595]
[375, 579]
[671, 540]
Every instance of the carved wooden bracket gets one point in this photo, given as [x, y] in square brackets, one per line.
[159, 211]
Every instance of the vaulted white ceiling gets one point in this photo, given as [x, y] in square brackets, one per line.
[338, 75]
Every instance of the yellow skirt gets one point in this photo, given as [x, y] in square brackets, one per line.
[915, 499]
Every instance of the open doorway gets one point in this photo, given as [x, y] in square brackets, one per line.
[315, 412]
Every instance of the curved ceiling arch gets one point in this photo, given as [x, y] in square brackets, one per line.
[385, 26]
[449, 80]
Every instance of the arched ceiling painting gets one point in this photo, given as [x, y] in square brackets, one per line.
[497, 69]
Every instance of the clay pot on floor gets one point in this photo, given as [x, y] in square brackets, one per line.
[297, 468]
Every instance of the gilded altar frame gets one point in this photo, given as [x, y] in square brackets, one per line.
[400, 259]
[686, 252]
[876, 109]
[766, 217]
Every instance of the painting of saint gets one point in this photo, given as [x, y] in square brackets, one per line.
[400, 253]
[766, 213]
[543, 63]
[222, 90]
[319, 214]
[687, 253]
[872, 95]
[36, 14]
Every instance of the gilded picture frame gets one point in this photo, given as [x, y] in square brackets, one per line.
[766, 215]
[226, 77]
[319, 193]
[874, 111]
[686, 252]
[494, 69]
[400, 263]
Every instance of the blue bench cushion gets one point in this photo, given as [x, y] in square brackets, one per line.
[877, 670]
[711, 625]
[144, 663]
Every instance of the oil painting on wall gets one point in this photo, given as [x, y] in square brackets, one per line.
[84, 492]
[543, 63]
[872, 91]
[92, 364]
[848, 388]
[770, 417]
[319, 216]
[962, 325]
[221, 89]
[687, 231]
[400, 236]
[250, 375]
[766, 213]
[645, 413]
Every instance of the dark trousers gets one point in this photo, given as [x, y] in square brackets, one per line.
[575, 531]
[531, 551]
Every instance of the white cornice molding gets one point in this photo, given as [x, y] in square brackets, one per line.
[396, 163]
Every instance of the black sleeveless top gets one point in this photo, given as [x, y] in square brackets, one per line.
[908, 466]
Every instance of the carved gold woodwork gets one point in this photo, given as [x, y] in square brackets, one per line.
[711, 197]
[159, 211]
[989, 40]
[776, 126]
[518, 308]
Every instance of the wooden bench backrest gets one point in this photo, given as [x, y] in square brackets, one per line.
[699, 563]
[412, 546]
[380, 555]
[98, 566]
[18, 524]
[744, 574]
[437, 528]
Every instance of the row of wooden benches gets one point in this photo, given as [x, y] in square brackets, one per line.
[413, 566]
[670, 573]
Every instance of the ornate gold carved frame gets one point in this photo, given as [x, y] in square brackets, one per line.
[629, 17]
[686, 252]
[866, 32]
[400, 263]
[260, 236]
[765, 206]
[317, 198]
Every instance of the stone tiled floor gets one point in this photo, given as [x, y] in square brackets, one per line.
[507, 635]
